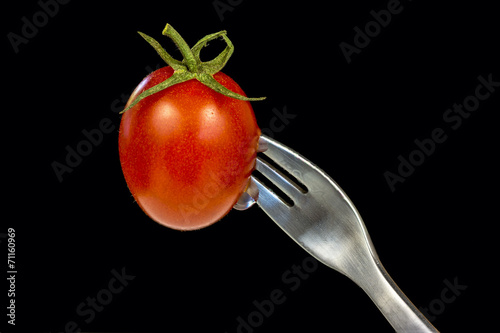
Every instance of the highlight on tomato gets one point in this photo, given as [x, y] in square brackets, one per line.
[188, 137]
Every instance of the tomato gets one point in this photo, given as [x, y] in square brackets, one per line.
[187, 151]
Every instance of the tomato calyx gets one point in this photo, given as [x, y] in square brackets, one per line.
[191, 67]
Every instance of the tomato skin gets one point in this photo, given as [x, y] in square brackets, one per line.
[187, 152]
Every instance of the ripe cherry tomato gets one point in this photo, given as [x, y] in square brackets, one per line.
[187, 151]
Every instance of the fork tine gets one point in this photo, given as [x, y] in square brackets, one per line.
[280, 180]
[288, 159]
[270, 203]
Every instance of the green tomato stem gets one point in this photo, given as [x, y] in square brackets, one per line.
[189, 59]
[191, 67]
[215, 65]
[176, 78]
[175, 64]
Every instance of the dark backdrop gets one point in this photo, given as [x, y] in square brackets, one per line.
[364, 95]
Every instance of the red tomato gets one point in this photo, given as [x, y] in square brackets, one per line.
[187, 152]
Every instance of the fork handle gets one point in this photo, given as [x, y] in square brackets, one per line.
[392, 302]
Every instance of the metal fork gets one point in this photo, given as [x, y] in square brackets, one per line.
[324, 221]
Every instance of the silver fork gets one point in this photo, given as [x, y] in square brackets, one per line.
[326, 224]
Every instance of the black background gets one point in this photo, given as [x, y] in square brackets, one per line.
[353, 120]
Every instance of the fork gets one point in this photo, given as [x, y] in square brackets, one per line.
[324, 221]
